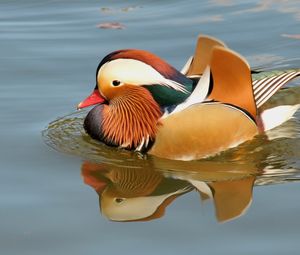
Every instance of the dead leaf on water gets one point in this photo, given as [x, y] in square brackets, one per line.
[130, 8]
[111, 25]
[294, 36]
[108, 10]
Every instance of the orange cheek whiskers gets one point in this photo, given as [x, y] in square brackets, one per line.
[132, 117]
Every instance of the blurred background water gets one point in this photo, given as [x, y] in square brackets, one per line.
[49, 51]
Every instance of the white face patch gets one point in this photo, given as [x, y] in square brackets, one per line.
[134, 72]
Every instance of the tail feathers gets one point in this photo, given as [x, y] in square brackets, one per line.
[266, 87]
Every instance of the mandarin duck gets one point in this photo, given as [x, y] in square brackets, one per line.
[216, 102]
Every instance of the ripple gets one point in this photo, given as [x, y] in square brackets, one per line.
[66, 134]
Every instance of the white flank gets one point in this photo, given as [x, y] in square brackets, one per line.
[134, 72]
[274, 117]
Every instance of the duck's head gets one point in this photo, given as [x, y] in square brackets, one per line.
[123, 69]
[132, 86]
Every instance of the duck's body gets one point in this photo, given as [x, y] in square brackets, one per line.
[144, 104]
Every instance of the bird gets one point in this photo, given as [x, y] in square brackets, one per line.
[214, 103]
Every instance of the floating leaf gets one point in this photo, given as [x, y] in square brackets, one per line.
[106, 10]
[111, 25]
[129, 8]
[294, 36]
[109, 10]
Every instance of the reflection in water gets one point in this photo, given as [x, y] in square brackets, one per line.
[134, 192]
[141, 191]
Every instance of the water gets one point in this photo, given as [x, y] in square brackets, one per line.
[49, 53]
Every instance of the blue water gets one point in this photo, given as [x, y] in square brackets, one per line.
[49, 51]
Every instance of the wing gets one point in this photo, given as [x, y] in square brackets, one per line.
[232, 83]
[202, 56]
[227, 79]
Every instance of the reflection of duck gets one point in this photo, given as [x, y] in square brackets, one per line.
[229, 185]
[231, 198]
[138, 192]
[141, 99]
[132, 193]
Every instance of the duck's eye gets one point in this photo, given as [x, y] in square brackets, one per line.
[119, 200]
[116, 83]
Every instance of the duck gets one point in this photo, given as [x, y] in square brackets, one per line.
[214, 103]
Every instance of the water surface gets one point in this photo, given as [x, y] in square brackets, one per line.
[49, 54]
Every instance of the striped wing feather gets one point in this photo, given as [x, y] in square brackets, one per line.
[267, 85]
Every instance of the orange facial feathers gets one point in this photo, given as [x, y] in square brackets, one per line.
[128, 119]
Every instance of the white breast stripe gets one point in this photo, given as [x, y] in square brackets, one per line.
[199, 94]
